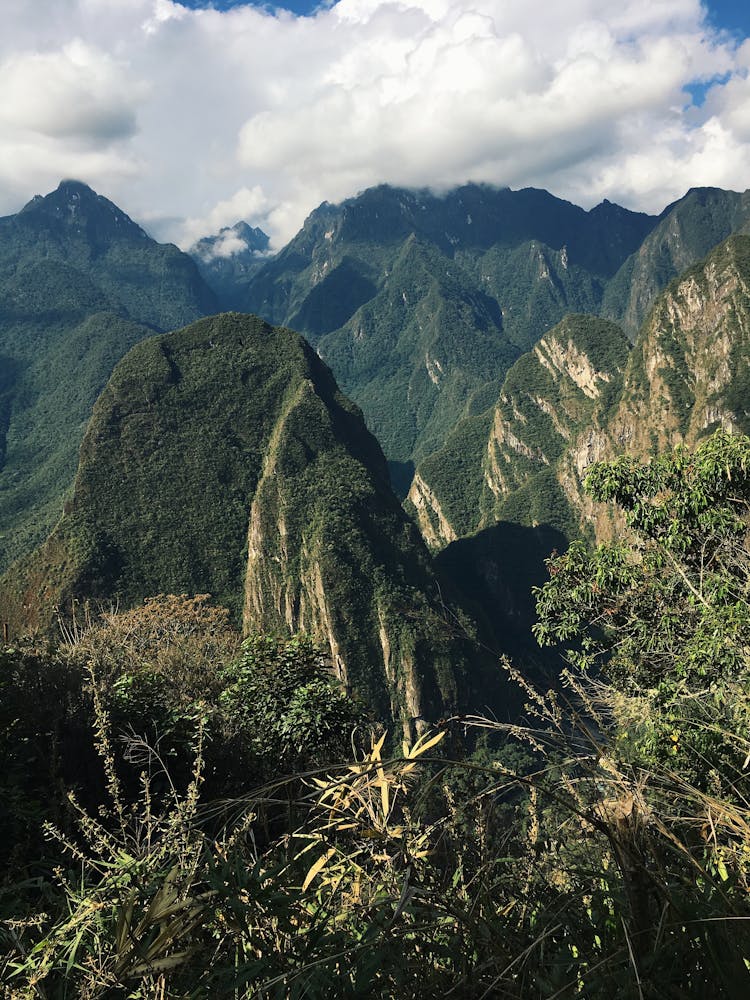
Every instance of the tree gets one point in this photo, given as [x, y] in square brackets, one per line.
[282, 702]
[662, 614]
[657, 625]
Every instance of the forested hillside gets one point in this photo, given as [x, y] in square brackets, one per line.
[223, 836]
[582, 395]
[222, 459]
[265, 730]
[80, 283]
[420, 303]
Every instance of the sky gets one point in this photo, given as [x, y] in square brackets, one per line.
[194, 115]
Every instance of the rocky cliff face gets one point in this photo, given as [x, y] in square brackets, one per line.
[689, 364]
[222, 458]
[581, 396]
[546, 400]
[688, 374]
[435, 527]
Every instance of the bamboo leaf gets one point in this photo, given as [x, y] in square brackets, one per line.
[417, 750]
[318, 867]
[375, 755]
[124, 922]
[161, 964]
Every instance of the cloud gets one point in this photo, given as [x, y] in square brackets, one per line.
[74, 93]
[226, 245]
[208, 116]
[247, 203]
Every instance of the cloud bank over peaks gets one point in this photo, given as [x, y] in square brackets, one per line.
[194, 118]
[247, 203]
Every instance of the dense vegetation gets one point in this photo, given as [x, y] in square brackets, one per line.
[417, 301]
[80, 284]
[601, 850]
[499, 465]
[222, 458]
[582, 394]
[184, 813]
[687, 231]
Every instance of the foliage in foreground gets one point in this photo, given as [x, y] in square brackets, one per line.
[601, 850]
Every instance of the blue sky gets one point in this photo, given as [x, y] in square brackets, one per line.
[734, 15]
[193, 115]
[295, 6]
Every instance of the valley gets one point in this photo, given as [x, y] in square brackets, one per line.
[498, 342]
[383, 597]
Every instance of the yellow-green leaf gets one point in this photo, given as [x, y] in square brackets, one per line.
[417, 750]
[318, 867]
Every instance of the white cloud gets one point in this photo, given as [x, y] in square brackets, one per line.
[193, 119]
[247, 203]
[76, 93]
[226, 245]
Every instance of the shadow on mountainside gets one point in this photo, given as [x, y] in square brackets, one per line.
[495, 571]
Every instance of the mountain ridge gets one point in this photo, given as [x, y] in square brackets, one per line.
[686, 375]
[80, 283]
[222, 458]
[353, 281]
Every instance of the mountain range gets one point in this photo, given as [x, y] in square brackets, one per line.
[420, 303]
[496, 341]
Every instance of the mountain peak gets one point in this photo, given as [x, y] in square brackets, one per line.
[69, 185]
[74, 206]
[241, 239]
[67, 191]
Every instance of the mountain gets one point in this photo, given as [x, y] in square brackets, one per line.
[689, 370]
[687, 231]
[464, 325]
[80, 283]
[499, 465]
[506, 490]
[582, 396]
[222, 458]
[83, 232]
[227, 260]
[687, 375]
[420, 302]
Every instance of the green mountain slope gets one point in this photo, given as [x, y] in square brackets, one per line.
[420, 302]
[80, 283]
[688, 374]
[689, 371]
[687, 231]
[152, 283]
[582, 396]
[222, 458]
[418, 349]
[507, 487]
